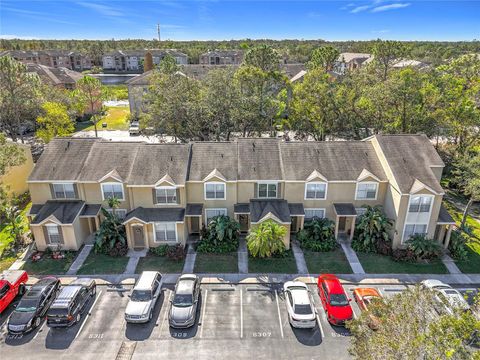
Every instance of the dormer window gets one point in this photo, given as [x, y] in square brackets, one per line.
[366, 191]
[112, 190]
[214, 191]
[64, 191]
[316, 190]
[166, 195]
[267, 190]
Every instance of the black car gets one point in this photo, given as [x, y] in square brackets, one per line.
[67, 309]
[33, 306]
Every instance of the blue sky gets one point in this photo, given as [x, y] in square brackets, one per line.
[230, 19]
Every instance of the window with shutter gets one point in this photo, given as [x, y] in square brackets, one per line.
[64, 191]
[112, 190]
[166, 195]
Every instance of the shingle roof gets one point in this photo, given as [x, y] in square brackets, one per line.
[259, 159]
[90, 210]
[277, 207]
[64, 211]
[347, 57]
[296, 209]
[241, 208]
[194, 210]
[345, 209]
[55, 76]
[207, 156]
[410, 157]
[35, 209]
[156, 214]
[336, 160]
[444, 216]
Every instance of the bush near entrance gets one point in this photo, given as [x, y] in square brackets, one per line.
[111, 238]
[318, 235]
[266, 240]
[371, 232]
[220, 236]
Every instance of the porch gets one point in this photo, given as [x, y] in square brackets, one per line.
[345, 217]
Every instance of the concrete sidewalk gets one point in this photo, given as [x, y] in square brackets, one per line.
[299, 258]
[190, 260]
[352, 257]
[242, 256]
[80, 259]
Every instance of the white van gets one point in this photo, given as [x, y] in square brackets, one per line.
[144, 297]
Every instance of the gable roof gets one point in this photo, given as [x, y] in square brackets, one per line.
[55, 76]
[259, 159]
[64, 211]
[335, 160]
[269, 209]
[208, 156]
[410, 158]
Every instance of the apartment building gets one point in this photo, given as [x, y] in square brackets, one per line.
[53, 58]
[221, 57]
[58, 77]
[132, 60]
[168, 192]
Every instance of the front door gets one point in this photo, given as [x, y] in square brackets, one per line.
[243, 220]
[294, 225]
[195, 224]
[138, 239]
[341, 223]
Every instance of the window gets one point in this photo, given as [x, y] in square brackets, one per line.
[112, 190]
[121, 213]
[53, 233]
[214, 191]
[165, 231]
[419, 204]
[315, 191]
[211, 213]
[414, 229]
[267, 190]
[64, 191]
[166, 195]
[360, 211]
[367, 191]
[312, 213]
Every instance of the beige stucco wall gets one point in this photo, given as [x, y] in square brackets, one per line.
[70, 238]
[92, 193]
[245, 191]
[15, 179]
[39, 192]
[143, 196]
[150, 237]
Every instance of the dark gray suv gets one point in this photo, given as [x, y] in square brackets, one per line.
[183, 310]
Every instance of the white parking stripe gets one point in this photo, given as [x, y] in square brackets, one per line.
[279, 316]
[241, 313]
[203, 313]
[320, 326]
[166, 310]
[88, 314]
[40, 330]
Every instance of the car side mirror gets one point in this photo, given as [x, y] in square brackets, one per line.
[129, 295]
[196, 301]
[349, 300]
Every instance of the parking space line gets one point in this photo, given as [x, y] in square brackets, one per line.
[203, 313]
[88, 314]
[241, 313]
[41, 328]
[279, 316]
[320, 326]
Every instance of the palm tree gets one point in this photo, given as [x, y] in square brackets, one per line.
[266, 239]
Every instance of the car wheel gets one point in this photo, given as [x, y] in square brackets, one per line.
[36, 323]
[79, 317]
[150, 316]
[21, 289]
[93, 291]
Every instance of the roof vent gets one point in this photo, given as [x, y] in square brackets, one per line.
[254, 169]
[171, 158]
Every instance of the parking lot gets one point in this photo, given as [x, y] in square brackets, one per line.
[240, 321]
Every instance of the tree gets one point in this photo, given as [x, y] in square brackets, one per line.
[19, 97]
[263, 57]
[168, 65]
[324, 58]
[386, 53]
[54, 122]
[13, 220]
[371, 230]
[148, 62]
[220, 235]
[10, 155]
[420, 332]
[266, 239]
[318, 235]
[90, 93]
[111, 237]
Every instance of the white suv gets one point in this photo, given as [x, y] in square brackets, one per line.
[144, 297]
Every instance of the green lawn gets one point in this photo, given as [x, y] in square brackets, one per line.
[159, 263]
[103, 264]
[286, 265]
[7, 258]
[333, 262]
[48, 266]
[380, 264]
[216, 263]
[116, 119]
[472, 264]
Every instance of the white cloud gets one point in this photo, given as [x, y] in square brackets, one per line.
[360, 9]
[101, 9]
[390, 7]
[20, 37]
[383, 31]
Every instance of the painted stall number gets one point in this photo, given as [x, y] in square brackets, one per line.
[95, 336]
[264, 334]
[179, 334]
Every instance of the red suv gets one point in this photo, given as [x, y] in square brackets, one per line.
[334, 300]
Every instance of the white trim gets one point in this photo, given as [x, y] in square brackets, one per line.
[214, 209]
[403, 240]
[64, 192]
[366, 183]
[113, 183]
[420, 212]
[110, 210]
[315, 209]
[316, 175]
[267, 182]
[365, 173]
[166, 188]
[155, 231]
[316, 183]
[215, 173]
[214, 183]
[59, 229]
[152, 186]
[167, 178]
[134, 218]
[418, 185]
[270, 216]
[109, 175]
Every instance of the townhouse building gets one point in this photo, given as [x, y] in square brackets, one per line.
[168, 192]
[221, 57]
[132, 60]
[53, 58]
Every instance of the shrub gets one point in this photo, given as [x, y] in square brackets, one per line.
[423, 247]
[111, 238]
[159, 250]
[457, 245]
[176, 252]
[220, 236]
[318, 235]
[406, 255]
[371, 231]
[266, 239]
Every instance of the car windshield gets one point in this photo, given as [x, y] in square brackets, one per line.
[451, 292]
[338, 300]
[183, 300]
[3, 290]
[303, 310]
[27, 305]
[141, 295]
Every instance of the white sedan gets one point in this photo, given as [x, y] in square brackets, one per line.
[451, 298]
[301, 312]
